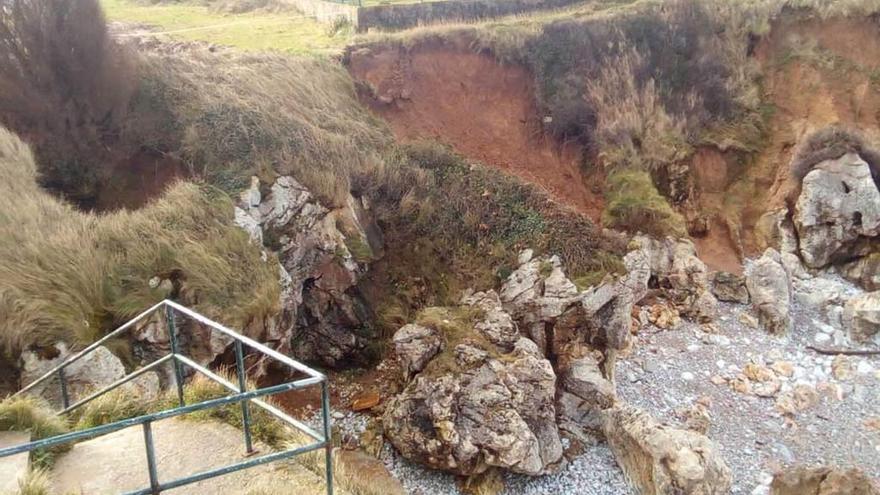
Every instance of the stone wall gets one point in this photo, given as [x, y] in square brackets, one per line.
[402, 16]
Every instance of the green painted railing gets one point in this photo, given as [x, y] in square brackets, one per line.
[239, 395]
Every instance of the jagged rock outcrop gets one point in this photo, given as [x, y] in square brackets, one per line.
[839, 204]
[487, 399]
[861, 317]
[770, 291]
[681, 273]
[94, 371]
[775, 230]
[822, 481]
[658, 460]
[551, 310]
[323, 253]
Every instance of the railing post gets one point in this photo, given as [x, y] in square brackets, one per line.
[65, 396]
[151, 458]
[172, 337]
[328, 443]
[245, 407]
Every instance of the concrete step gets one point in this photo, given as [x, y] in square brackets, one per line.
[15, 467]
[117, 462]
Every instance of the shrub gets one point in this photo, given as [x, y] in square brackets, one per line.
[673, 53]
[64, 85]
[830, 143]
[633, 204]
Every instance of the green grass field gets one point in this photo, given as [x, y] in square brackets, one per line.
[288, 32]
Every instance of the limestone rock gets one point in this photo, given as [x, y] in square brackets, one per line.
[540, 297]
[416, 345]
[839, 202]
[659, 460]
[94, 371]
[678, 270]
[864, 271]
[583, 378]
[480, 406]
[775, 230]
[497, 325]
[770, 292]
[861, 317]
[729, 287]
[323, 254]
[822, 481]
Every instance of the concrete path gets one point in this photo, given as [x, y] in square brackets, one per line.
[15, 467]
[117, 463]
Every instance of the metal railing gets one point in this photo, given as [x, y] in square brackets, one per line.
[240, 395]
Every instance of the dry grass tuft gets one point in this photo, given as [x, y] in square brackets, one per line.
[831, 143]
[71, 276]
[33, 415]
[35, 482]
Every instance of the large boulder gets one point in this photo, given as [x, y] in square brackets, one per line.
[861, 317]
[822, 481]
[839, 204]
[770, 291]
[323, 253]
[94, 371]
[478, 404]
[659, 460]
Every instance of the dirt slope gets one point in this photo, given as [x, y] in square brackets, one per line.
[818, 73]
[485, 110]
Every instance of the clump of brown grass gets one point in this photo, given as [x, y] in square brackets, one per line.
[35, 416]
[71, 276]
[830, 143]
[35, 482]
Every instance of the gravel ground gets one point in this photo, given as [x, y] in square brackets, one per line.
[592, 473]
[670, 370]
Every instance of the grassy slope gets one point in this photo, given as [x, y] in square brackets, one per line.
[288, 32]
[68, 275]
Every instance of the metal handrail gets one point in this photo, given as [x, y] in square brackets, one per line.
[240, 396]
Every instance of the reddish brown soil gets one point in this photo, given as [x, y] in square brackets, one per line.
[817, 73]
[136, 181]
[711, 178]
[484, 109]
